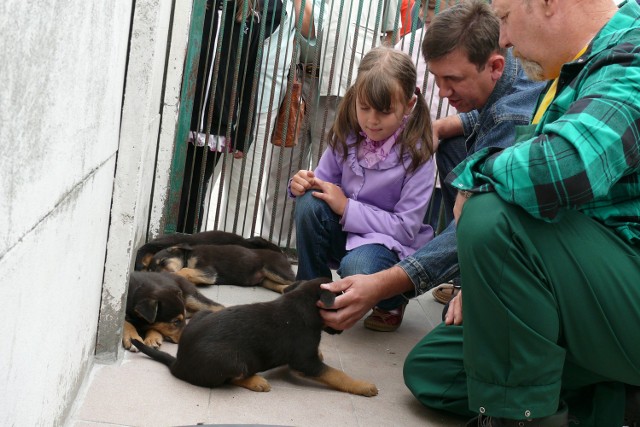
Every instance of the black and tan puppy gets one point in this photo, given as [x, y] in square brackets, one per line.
[148, 250]
[226, 265]
[158, 305]
[235, 344]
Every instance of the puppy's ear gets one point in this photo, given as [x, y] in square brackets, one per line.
[262, 243]
[179, 250]
[183, 246]
[327, 297]
[143, 263]
[147, 309]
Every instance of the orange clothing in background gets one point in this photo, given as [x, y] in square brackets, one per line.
[406, 7]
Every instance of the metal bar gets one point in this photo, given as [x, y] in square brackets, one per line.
[184, 116]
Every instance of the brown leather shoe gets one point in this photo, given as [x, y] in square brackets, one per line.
[445, 292]
[383, 320]
[559, 419]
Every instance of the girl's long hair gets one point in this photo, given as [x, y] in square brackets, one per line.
[385, 75]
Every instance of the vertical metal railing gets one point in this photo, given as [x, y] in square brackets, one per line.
[357, 25]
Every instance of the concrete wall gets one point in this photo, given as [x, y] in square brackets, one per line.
[64, 165]
[136, 161]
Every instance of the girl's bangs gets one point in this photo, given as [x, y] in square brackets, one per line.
[376, 90]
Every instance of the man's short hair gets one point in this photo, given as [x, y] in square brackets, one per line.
[470, 25]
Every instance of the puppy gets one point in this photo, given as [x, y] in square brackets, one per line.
[233, 345]
[157, 306]
[226, 265]
[146, 251]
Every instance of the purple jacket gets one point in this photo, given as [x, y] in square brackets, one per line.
[386, 204]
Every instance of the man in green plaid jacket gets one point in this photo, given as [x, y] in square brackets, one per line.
[549, 236]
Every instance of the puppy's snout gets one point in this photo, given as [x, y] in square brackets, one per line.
[327, 298]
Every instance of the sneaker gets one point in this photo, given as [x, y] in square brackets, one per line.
[383, 320]
[559, 419]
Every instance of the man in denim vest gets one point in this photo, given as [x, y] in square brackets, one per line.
[488, 86]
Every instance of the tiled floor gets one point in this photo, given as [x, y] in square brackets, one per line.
[141, 392]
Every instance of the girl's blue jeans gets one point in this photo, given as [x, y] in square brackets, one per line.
[321, 245]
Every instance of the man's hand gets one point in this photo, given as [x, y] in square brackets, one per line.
[461, 199]
[360, 293]
[356, 296]
[454, 313]
[301, 182]
[331, 194]
[448, 127]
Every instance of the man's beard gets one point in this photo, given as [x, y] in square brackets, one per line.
[532, 69]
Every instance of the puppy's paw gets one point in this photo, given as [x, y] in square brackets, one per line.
[254, 383]
[128, 345]
[153, 339]
[128, 334]
[258, 383]
[364, 388]
[340, 381]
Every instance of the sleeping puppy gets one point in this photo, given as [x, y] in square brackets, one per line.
[235, 344]
[146, 251]
[158, 305]
[226, 265]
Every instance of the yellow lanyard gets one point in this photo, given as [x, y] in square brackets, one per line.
[551, 93]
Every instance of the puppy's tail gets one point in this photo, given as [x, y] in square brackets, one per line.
[153, 353]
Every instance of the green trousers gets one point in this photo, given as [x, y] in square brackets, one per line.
[551, 312]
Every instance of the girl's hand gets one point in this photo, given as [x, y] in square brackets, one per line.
[301, 182]
[331, 194]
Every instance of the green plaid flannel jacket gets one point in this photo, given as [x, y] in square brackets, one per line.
[585, 152]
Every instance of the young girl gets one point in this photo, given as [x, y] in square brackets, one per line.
[370, 191]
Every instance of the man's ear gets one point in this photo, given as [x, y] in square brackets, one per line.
[496, 65]
[550, 7]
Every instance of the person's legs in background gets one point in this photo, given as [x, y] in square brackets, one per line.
[241, 183]
[194, 187]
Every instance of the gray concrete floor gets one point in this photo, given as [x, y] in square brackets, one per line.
[141, 392]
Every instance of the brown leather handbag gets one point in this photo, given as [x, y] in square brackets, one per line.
[291, 112]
